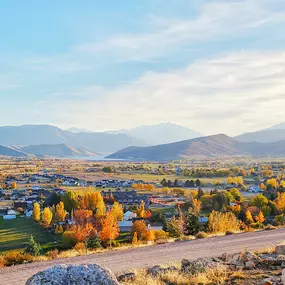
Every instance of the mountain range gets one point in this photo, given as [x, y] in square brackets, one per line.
[215, 146]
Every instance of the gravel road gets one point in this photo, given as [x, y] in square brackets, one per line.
[125, 260]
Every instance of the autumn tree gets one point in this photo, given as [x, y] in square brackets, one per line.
[196, 206]
[150, 235]
[222, 222]
[175, 227]
[117, 211]
[260, 217]
[46, 217]
[70, 201]
[110, 229]
[248, 217]
[93, 201]
[60, 212]
[259, 201]
[36, 212]
[280, 202]
[83, 217]
[141, 210]
[135, 239]
[139, 227]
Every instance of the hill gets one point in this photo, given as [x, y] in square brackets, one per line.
[56, 150]
[280, 126]
[264, 136]
[204, 147]
[161, 133]
[51, 135]
[7, 151]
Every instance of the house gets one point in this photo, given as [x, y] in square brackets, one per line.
[125, 226]
[203, 220]
[9, 217]
[128, 216]
[255, 189]
[29, 214]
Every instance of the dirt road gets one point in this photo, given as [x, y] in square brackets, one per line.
[121, 261]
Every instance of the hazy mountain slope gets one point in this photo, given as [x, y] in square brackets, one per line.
[204, 147]
[161, 133]
[7, 151]
[280, 126]
[270, 135]
[49, 135]
[56, 150]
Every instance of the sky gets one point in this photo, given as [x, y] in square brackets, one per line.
[212, 66]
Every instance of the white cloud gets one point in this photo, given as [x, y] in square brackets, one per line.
[233, 93]
[216, 20]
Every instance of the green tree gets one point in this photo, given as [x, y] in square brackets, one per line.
[33, 247]
[259, 201]
[175, 227]
[191, 224]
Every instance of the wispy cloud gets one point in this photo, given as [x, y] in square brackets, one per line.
[232, 94]
[216, 20]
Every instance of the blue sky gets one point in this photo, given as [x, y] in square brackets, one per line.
[213, 66]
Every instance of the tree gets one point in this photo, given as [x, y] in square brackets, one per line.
[163, 182]
[248, 217]
[272, 182]
[236, 194]
[139, 227]
[117, 211]
[222, 222]
[60, 212]
[150, 235]
[70, 200]
[198, 183]
[191, 224]
[135, 239]
[260, 217]
[33, 247]
[259, 201]
[175, 184]
[83, 217]
[46, 217]
[36, 212]
[175, 227]
[14, 185]
[110, 229]
[280, 202]
[141, 210]
[196, 205]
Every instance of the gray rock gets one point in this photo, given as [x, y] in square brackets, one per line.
[131, 276]
[249, 265]
[280, 249]
[74, 275]
[199, 266]
[157, 270]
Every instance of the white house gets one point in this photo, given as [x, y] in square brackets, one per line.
[11, 212]
[128, 216]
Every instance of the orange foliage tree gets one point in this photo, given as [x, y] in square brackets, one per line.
[110, 229]
[83, 217]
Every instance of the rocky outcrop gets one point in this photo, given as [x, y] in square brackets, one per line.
[74, 274]
[200, 265]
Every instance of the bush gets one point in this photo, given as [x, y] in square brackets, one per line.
[257, 226]
[16, 257]
[201, 235]
[228, 233]
[160, 235]
[270, 227]
[80, 247]
[52, 254]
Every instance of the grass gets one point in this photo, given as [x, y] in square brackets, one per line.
[14, 234]
[124, 237]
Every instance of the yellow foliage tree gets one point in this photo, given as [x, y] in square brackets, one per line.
[36, 212]
[260, 217]
[248, 217]
[273, 182]
[221, 222]
[117, 211]
[150, 235]
[196, 206]
[135, 239]
[141, 210]
[60, 212]
[280, 202]
[46, 217]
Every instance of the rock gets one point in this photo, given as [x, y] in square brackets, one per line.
[74, 274]
[157, 270]
[249, 265]
[131, 276]
[199, 266]
[240, 259]
[283, 277]
[280, 249]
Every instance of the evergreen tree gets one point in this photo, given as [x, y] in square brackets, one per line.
[191, 224]
[33, 247]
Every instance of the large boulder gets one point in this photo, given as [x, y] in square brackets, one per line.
[200, 265]
[280, 249]
[74, 274]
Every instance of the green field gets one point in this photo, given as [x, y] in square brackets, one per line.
[14, 234]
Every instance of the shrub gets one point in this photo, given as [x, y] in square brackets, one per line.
[257, 226]
[270, 227]
[201, 235]
[80, 247]
[52, 254]
[68, 238]
[16, 257]
[228, 233]
[280, 219]
[33, 247]
[160, 235]
[222, 222]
